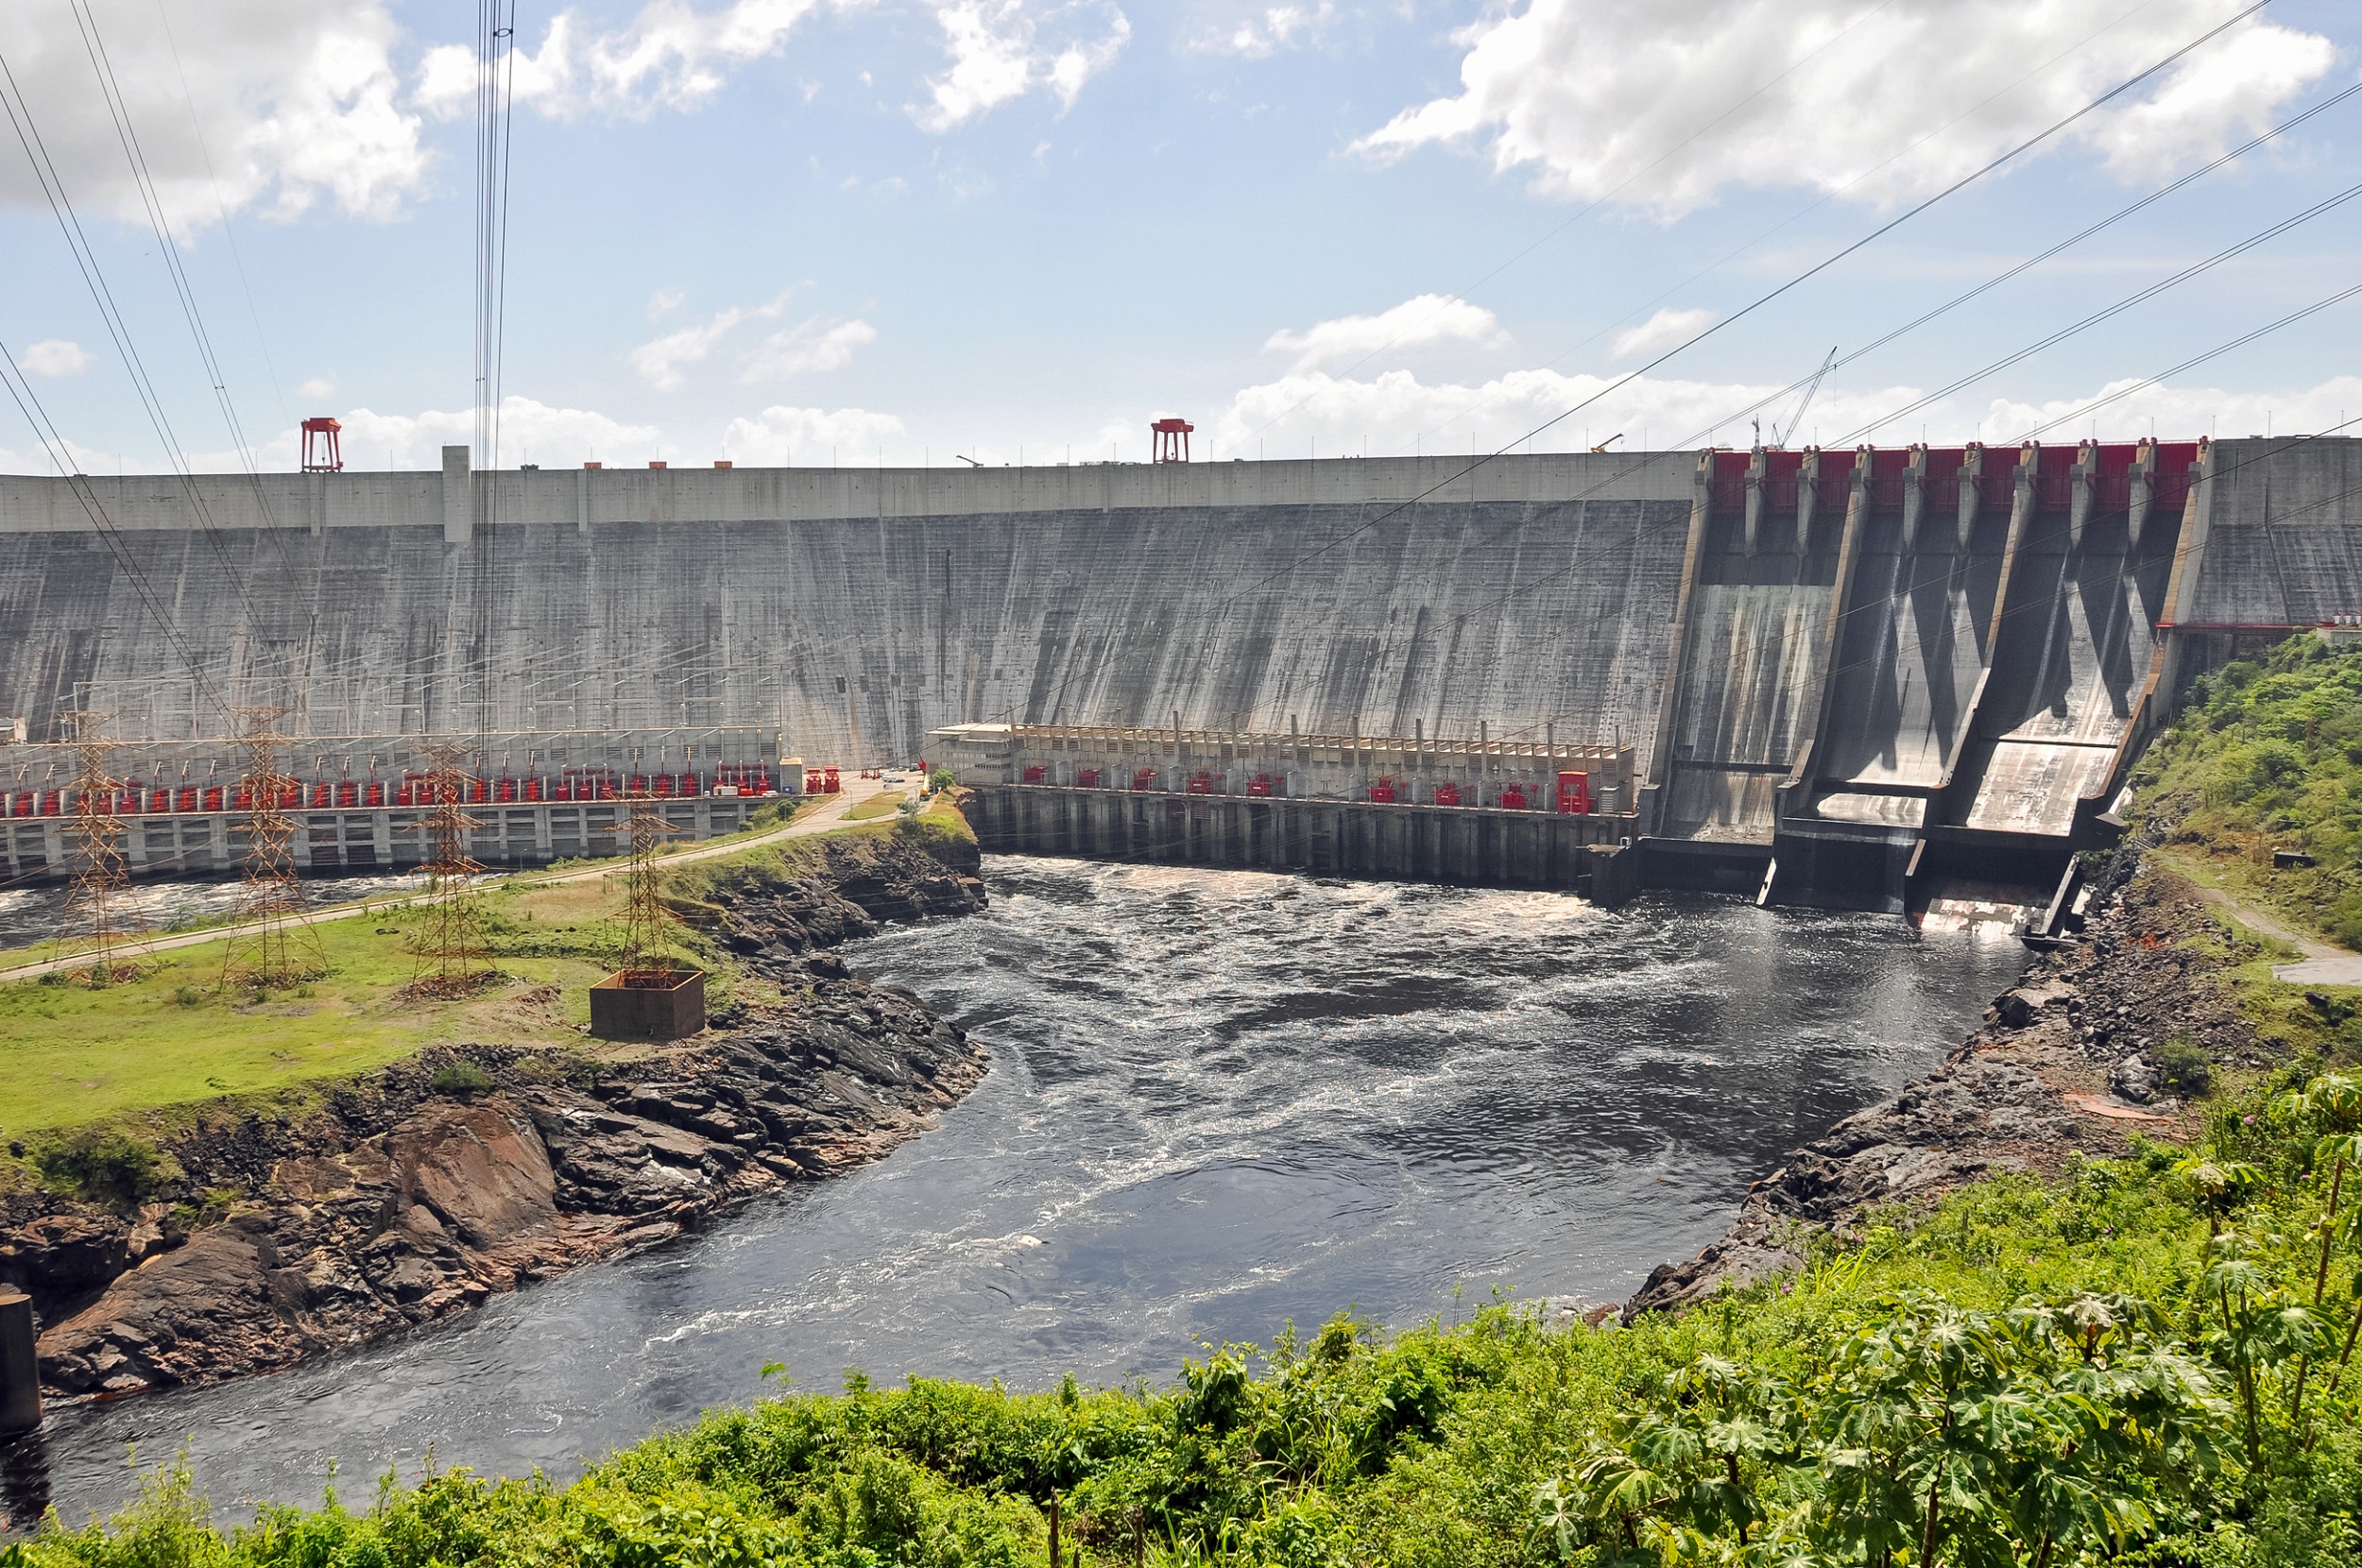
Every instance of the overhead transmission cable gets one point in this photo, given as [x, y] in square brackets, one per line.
[60, 456]
[1759, 302]
[94, 277]
[221, 205]
[1813, 205]
[2107, 312]
[2034, 260]
[494, 100]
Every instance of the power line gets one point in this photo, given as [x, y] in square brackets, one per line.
[2109, 311]
[2039, 257]
[119, 329]
[221, 205]
[1784, 223]
[1760, 301]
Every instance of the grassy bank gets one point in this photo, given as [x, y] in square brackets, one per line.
[2268, 757]
[148, 1054]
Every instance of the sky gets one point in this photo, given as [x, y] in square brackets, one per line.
[906, 231]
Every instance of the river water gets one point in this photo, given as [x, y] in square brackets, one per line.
[36, 913]
[1219, 1101]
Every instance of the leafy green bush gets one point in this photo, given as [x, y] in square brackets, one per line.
[2182, 1064]
[2269, 756]
[104, 1167]
[2147, 1360]
[461, 1079]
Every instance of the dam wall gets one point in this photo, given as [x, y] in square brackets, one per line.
[1887, 678]
[1240, 596]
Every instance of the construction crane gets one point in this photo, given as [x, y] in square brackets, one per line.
[1796, 420]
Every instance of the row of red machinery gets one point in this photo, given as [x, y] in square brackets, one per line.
[1574, 790]
[410, 789]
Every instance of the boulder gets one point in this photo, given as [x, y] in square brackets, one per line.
[64, 1254]
[2135, 1079]
[481, 1168]
[209, 1301]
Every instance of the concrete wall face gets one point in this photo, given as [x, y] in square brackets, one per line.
[858, 636]
[2285, 535]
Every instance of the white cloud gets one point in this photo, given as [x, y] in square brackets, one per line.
[55, 356]
[317, 388]
[1422, 321]
[671, 56]
[807, 348]
[781, 436]
[664, 301]
[1397, 414]
[1661, 103]
[1661, 332]
[659, 359]
[294, 101]
[675, 57]
[998, 54]
[1260, 35]
[531, 432]
[2182, 411]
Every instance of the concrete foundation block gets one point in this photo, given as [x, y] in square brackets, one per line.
[19, 1372]
[648, 1004]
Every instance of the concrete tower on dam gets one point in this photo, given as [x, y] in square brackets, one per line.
[1844, 676]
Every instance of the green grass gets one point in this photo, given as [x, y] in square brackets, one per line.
[2268, 756]
[879, 804]
[176, 1039]
[176, 1035]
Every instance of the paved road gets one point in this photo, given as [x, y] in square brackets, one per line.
[819, 821]
[2322, 965]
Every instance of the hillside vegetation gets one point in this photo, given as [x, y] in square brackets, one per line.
[2268, 756]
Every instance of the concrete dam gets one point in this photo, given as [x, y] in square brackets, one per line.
[1895, 679]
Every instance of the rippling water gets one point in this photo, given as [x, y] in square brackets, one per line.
[1219, 1101]
[31, 914]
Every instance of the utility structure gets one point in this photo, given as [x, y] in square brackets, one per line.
[282, 949]
[1171, 438]
[648, 996]
[644, 914]
[451, 960]
[95, 899]
[321, 451]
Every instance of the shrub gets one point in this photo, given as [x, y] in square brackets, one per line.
[2184, 1066]
[461, 1077]
[187, 995]
[105, 1167]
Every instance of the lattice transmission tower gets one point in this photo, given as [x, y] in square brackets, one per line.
[450, 958]
[283, 950]
[96, 902]
[644, 914]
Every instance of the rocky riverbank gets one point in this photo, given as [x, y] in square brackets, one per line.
[419, 1191]
[2088, 1048]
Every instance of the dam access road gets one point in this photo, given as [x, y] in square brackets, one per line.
[1903, 679]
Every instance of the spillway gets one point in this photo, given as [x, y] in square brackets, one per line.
[1852, 677]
